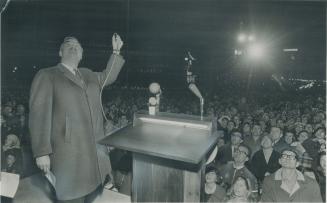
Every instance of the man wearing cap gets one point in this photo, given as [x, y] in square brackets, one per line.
[65, 121]
[288, 184]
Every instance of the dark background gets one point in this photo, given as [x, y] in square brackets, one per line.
[158, 33]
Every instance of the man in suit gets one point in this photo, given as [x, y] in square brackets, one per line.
[225, 153]
[66, 121]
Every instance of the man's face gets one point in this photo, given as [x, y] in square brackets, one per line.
[230, 125]
[256, 130]
[288, 160]
[240, 189]
[71, 49]
[320, 134]
[211, 177]
[309, 128]
[236, 119]
[246, 128]
[241, 155]
[275, 133]
[224, 122]
[7, 111]
[303, 136]
[289, 137]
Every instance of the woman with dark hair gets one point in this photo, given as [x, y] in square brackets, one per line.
[265, 161]
[320, 174]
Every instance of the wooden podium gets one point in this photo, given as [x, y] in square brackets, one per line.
[169, 153]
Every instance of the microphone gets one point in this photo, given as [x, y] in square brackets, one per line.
[190, 56]
[155, 88]
[195, 90]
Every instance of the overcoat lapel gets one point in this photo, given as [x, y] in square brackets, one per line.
[70, 76]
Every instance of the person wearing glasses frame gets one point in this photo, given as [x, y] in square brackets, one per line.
[237, 167]
[288, 184]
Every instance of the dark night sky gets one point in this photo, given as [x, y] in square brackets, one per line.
[158, 33]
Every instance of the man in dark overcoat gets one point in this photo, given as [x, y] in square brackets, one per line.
[66, 121]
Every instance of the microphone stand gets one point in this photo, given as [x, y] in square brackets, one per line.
[201, 107]
[190, 78]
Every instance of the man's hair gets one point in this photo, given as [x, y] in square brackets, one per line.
[68, 39]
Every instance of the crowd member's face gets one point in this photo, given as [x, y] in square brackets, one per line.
[288, 160]
[236, 138]
[10, 160]
[71, 49]
[220, 143]
[230, 126]
[265, 117]
[298, 128]
[240, 189]
[241, 155]
[211, 177]
[7, 111]
[266, 142]
[304, 120]
[256, 130]
[323, 162]
[303, 136]
[233, 111]
[309, 128]
[289, 137]
[236, 120]
[280, 124]
[320, 134]
[275, 133]
[246, 128]
[224, 122]
[20, 109]
[262, 125]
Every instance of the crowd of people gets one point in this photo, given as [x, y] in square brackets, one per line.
[271, 145]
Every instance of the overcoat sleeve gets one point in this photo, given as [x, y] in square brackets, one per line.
[110, 74]
[40, 116]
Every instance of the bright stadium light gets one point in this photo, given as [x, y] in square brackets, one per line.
[256, 51]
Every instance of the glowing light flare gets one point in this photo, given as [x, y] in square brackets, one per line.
[241, 37]
[256, 51]
[251, 38]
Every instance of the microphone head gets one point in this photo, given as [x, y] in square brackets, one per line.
[195, 90]
[152, 101]
[154, 88]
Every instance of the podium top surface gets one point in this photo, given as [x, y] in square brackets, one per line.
[166, 136]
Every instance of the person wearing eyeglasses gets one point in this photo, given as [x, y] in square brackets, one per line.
[288, 184]
[236, 168]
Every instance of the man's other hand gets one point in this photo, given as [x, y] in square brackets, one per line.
[43, 162]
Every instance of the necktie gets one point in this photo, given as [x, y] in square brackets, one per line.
[79, 76]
